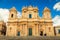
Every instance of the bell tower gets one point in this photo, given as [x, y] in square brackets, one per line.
[48, 23]
[46, 13]
[12, 22]
[13, 13]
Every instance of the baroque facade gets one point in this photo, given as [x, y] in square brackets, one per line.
[30, 24]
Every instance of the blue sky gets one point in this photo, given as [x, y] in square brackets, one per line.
[39, 3]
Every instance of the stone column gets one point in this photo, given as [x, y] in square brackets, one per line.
[26, 33]
[21, 28]
[36, 28]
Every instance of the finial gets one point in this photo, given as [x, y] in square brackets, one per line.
[13, 8]
[46, 9]
[30, 6]
[24, 8]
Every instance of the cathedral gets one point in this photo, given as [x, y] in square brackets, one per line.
[30, 23]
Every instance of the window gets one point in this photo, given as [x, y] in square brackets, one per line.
[40, 25]
[44, 21]
[30, 16]
[49, 29]
[12, 15]
[10, 28]
[59, 31]
[18, 33]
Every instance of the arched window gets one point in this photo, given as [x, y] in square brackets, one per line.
[30, 16]
[12, 15]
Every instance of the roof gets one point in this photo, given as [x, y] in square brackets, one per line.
[13, 8]
[46, 9]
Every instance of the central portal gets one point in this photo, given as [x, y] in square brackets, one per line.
[30, 31]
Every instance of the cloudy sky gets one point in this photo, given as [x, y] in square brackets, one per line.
[53, 5]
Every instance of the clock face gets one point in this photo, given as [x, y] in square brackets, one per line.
[25, 11]
[35, 11]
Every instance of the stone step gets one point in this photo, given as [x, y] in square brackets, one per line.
[30, 38]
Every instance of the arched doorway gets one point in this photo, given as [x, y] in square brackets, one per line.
[18, 33]
[41, 33]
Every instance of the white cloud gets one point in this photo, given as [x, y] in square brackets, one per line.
[57, 6]
[19, 14]
[56, 21]
[4, 14]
